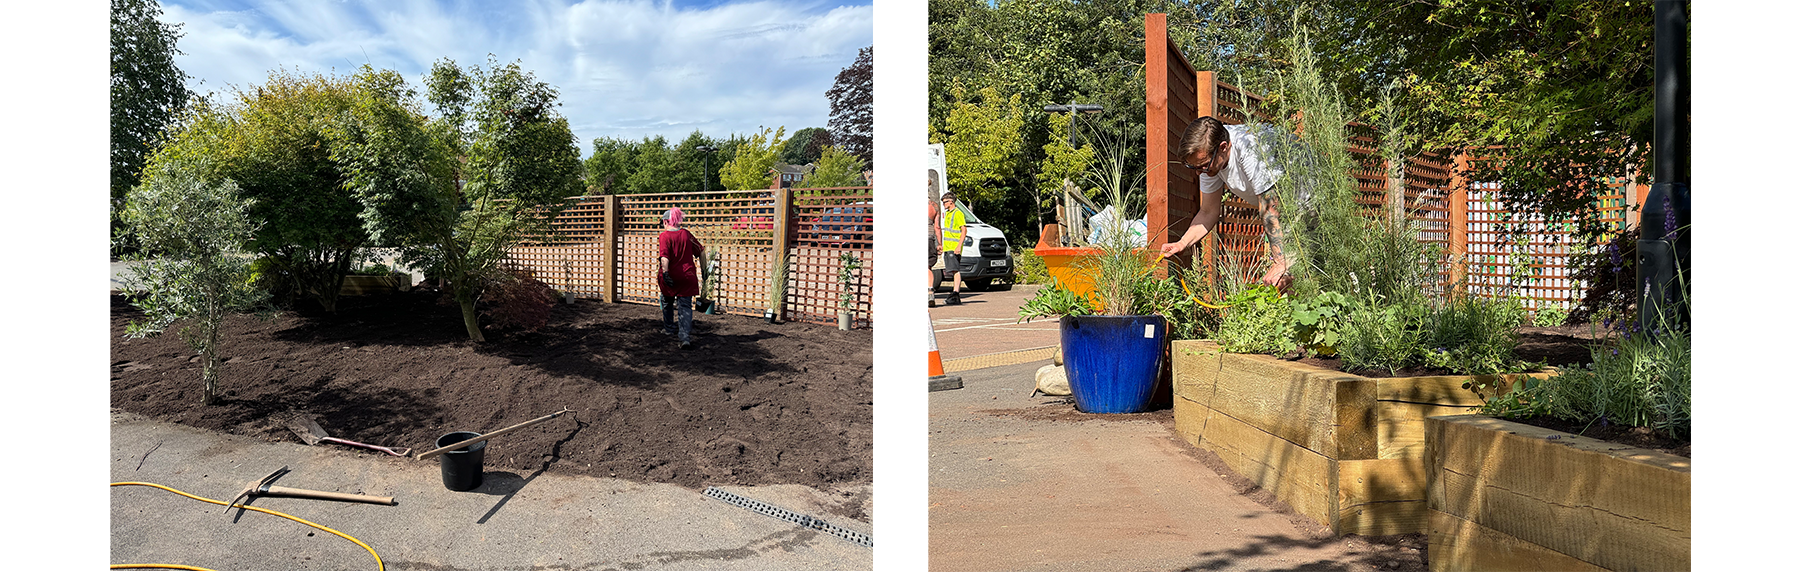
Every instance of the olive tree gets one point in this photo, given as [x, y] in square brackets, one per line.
[197, 230]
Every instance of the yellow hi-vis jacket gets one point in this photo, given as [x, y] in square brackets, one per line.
[953, 230]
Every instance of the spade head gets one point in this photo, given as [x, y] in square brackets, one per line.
[308, 430]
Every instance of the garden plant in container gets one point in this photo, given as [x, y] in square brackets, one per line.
[1113, 340]
[848, 264]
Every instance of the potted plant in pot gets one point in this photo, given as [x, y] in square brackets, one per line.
[709, 280]
[1112, 343]
[848, 264]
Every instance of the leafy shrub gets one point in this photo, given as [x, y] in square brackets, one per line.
[1259, 321]
[1473, 335]
[514, 299]
[1029, 268]
[1638, 379]
[1319, 323]
[1382, 336]
[1052, 301]
[1550, 317]
[376, 269]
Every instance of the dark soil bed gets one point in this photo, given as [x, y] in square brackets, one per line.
[751, 404]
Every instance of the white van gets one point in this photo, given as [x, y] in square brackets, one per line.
[987, 261]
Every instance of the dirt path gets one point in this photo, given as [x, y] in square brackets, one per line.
[751, 404]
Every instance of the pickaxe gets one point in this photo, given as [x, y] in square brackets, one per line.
[264, 487]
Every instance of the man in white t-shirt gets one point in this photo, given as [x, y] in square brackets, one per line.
[1242, 159]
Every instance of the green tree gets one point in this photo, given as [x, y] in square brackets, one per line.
[805, 146]
[197, 230]
[521, 162]
[610, 165]
[693, 163]
[752, 159]
[274, 142]
[1061, 161]
[657, 168]
[836, 168]
[981, 144]
[147, 92]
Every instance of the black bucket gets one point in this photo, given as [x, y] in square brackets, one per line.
[461, 467]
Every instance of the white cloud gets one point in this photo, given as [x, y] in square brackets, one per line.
[624, 68]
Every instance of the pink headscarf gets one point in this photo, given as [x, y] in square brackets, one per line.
[672, 219]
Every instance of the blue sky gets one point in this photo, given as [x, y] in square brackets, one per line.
[625, 69]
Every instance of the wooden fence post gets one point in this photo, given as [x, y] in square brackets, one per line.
[784, 212]
[610, 217]
[1206, 92]
[1459, 223]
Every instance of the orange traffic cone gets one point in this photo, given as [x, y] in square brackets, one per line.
[939, 381]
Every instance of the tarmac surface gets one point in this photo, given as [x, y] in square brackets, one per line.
[537, 521]
[1018, 484]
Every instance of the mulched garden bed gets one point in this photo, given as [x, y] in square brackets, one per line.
[751, 404]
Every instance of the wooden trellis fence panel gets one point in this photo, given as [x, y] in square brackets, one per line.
[605, 247]
[1501, 241]
[1462, 222]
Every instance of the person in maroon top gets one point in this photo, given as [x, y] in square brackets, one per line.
[676, 251]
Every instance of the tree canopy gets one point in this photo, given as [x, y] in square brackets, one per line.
[749, 165]
[853, 107]
[148, 90]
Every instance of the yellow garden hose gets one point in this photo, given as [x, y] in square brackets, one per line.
[378, 564]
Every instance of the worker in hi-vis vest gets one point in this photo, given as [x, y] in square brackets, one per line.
[951, 232]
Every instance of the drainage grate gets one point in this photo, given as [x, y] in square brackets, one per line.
[805, 521]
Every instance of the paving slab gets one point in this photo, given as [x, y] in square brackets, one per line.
[1018, 483]
[513, 521]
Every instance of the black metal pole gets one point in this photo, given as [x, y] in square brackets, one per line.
[1664, 220]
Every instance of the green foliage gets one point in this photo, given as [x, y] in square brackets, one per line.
[981, 143]
[1062, 162]
[1052, 301]
[1261, 321]
[1638, 380]
[610, 165]
[749, 166]
[1320, 321]
[1029, 268]
[1383, 336]
[1550, 317]
[275, 141]
[197, 230]
[1474, 336]
[1565, 87]
[148, 92]
[848, 264]
[836, 168]
[521, 163]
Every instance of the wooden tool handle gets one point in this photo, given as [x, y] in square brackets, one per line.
[484, 437]
[326, 495]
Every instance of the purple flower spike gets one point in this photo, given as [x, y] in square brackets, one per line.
[1669, 216]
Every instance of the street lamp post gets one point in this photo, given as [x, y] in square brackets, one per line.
[706, 166]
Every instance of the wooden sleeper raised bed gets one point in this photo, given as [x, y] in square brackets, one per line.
[1345, 450]
[1509, 496]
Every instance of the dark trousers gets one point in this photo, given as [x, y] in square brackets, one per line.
[684, 307]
